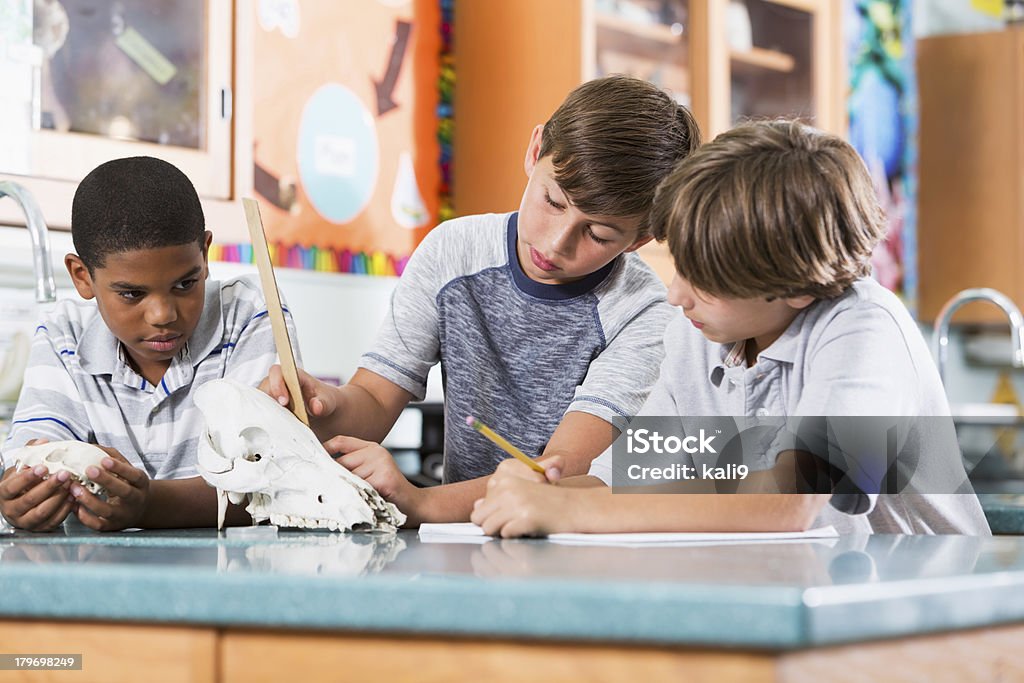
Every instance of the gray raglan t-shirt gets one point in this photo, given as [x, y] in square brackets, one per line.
[860, 354]
[517, 354]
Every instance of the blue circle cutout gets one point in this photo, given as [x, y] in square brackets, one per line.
[338, 154]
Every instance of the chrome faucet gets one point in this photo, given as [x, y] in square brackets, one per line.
[45, 289]
[941, 337]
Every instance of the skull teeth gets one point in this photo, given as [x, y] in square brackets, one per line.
[294, 521]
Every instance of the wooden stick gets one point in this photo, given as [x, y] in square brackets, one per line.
[261, 255]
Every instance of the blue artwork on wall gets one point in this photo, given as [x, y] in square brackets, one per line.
[337, 153]
[882, 109]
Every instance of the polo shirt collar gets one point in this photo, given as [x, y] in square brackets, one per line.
[787, 346]
[730, 356]
[783, 350]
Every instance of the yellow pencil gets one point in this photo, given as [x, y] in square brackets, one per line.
[502, 444]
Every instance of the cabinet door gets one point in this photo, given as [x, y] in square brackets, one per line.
[770, 58]
[648, 40]
[134, 78]
[970, 185]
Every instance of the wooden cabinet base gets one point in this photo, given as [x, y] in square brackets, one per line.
[966, 657]
[114, 653]
[255, 657]
[126, 652]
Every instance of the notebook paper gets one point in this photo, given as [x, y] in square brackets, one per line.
[466, 532]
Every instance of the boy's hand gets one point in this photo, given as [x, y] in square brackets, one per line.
[30, 502]
[127, 493]
[320, 401]
[513, 469]
[517, 507]
[374, 464]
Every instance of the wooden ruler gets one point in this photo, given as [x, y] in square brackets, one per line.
[261, 255]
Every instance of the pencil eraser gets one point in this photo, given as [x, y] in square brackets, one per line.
[469, 420]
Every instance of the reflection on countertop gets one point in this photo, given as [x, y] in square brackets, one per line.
[777, 595]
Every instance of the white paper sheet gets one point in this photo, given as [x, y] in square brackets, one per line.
[453, 532]
[465, 532]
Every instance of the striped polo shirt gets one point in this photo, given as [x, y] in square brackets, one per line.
[79, 385]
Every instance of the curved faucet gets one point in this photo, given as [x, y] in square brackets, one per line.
[941, 336]
[46, 292]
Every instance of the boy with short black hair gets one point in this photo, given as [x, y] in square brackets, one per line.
[771, 227]
[545, 324]
[120, 372]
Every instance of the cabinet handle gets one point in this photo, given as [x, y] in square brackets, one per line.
[225, 103]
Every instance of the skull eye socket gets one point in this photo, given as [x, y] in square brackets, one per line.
[320, 499]
[256, 441]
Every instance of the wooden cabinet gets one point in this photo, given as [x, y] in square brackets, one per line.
[789, 65]
[971, 187]
[115, 652]
[517, 60]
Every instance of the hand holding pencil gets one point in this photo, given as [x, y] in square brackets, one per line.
[504, 445]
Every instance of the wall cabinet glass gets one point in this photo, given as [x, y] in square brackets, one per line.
[118, 78]
[781, 60]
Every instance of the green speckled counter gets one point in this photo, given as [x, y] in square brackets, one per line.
[1005, 512]
[771, 596]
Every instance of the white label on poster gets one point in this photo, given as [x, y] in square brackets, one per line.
[334, 155]
[280, 13]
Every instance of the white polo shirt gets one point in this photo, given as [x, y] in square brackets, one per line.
[859, 354]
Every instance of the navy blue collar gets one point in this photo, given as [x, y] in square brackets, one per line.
[539, 290]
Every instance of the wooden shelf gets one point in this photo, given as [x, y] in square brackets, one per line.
[758, 58]
[661, 33]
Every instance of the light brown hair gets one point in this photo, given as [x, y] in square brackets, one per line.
[613, 140]
[770, 209]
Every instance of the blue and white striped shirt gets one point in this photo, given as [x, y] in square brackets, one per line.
[79, 385]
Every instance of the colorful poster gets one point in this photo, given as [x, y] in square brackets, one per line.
[347, 163]
[883, 127]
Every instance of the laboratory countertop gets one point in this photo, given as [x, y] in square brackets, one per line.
[1004, 511]
[775, 596]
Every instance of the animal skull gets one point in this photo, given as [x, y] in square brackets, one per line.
[73, 457]
[253, 449]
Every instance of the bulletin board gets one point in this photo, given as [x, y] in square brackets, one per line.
[347, 161]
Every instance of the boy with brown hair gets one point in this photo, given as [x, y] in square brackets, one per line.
[545, 323]
[771, 227]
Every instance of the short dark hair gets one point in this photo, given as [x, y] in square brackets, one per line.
[773, 209]
[131, 204]
[613, 140]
